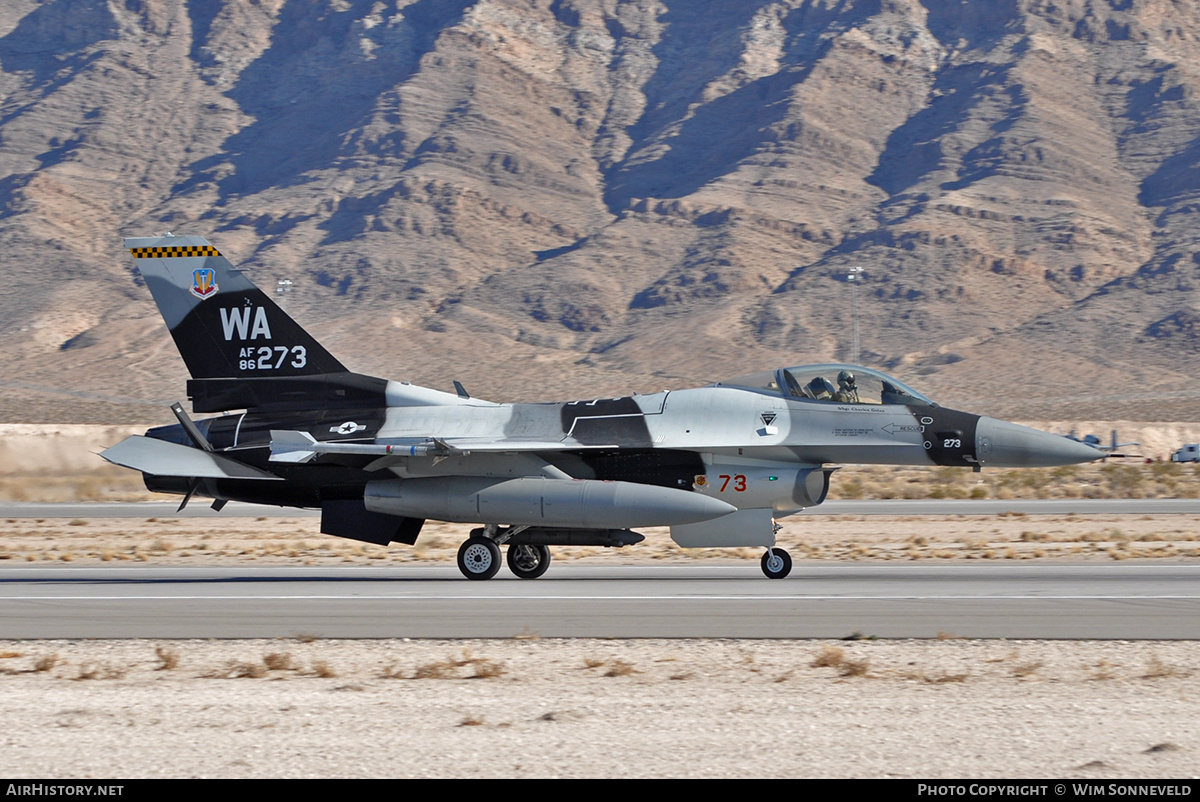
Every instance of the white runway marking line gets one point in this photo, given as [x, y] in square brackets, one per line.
[320, 597]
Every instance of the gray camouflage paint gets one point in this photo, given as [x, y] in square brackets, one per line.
[753, 449]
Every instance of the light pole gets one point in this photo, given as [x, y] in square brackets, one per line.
[282, 288]
[854, 276]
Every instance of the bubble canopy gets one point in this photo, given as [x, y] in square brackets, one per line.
[832, 383]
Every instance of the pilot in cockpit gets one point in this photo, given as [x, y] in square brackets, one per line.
[847, 392]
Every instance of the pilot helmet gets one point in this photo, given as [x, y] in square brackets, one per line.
[846, 380]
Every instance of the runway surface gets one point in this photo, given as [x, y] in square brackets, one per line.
[201, 509]
[1094, 601]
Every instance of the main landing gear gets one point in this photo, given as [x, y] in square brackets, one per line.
[479, 556]
[776, 563]
[528, 562]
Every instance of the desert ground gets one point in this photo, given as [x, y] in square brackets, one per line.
[592, 708]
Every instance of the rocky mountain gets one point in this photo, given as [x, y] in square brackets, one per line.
[577, 198]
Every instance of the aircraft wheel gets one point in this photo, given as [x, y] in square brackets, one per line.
[776, 564]
[528, 562]
[479, 558]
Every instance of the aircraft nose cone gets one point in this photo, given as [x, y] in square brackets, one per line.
[1000, 444]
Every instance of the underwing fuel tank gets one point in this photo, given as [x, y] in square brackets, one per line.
[536, 501]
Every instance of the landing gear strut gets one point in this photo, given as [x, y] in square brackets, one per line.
[528, 562]
[776, 563]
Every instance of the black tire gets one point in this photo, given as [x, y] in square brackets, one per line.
[776, 564]
[528, 562]
[479, 558]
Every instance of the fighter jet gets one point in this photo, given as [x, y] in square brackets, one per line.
[719, 465]
[1113, 449]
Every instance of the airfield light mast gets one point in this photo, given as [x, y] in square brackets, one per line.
[854, 276]
[282, 288]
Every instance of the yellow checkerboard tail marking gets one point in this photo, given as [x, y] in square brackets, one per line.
[174, 251]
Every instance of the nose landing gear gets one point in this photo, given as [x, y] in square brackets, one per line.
[776, 563]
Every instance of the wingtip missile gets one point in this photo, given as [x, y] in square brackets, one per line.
[301, 447]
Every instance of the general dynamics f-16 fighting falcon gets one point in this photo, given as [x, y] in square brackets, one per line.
[717, 464]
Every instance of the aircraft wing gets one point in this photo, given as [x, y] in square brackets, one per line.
[161, 458]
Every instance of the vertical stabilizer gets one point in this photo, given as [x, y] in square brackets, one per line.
[223, 325]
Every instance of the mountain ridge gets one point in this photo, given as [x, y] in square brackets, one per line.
[600, 196]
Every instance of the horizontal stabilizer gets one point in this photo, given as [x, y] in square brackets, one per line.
[161, 458]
